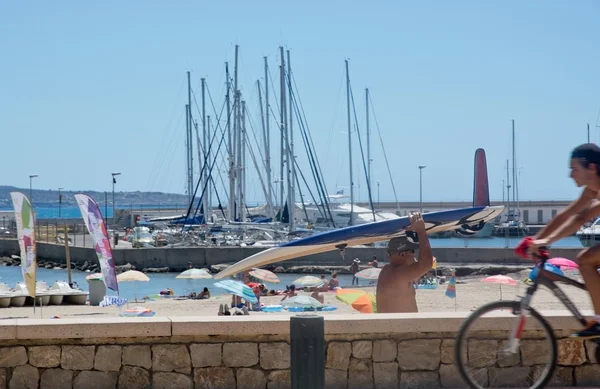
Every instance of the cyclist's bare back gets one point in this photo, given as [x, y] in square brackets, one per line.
[585, 171]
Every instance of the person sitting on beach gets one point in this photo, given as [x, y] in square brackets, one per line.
[334, 283]
[317, 296]
[205, 294]
[291, 292]
[395, 290]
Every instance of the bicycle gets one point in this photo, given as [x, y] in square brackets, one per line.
[528, 374]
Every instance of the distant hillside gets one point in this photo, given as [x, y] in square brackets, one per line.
[49, 198]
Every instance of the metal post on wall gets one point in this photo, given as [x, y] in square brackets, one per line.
[68, 255]
[307, 352]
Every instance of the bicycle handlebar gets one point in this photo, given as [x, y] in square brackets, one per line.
[522, 250]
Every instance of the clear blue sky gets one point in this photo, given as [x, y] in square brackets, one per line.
[87, 88]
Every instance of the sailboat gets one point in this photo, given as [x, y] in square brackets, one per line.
[513, 227]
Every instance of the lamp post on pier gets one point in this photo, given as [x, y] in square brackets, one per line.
[59, 203]
[421, 167]
[31, 177]
[114, 181]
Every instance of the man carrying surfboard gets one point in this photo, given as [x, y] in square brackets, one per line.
[585, 171]
[395, 290]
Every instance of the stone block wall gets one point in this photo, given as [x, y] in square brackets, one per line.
[381, 361]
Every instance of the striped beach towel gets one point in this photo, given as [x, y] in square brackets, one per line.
[113, 300]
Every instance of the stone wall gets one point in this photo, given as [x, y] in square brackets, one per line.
[253, 352]
[413, 362]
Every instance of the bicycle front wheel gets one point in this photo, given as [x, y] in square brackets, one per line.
[487, 360]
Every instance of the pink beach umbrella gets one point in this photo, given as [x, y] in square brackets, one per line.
[500, 279]
[563, 263]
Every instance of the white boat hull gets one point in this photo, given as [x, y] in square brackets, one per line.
[17, 301]
[75, 299]
[5, 301]
[56, 299]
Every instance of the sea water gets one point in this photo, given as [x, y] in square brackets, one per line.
[158, 281]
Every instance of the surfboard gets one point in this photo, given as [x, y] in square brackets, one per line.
[463, 218]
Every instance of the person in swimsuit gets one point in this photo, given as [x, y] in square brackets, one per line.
[585, 171]
[395, 290]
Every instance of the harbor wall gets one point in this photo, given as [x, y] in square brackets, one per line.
[381, 351]
[177, 259]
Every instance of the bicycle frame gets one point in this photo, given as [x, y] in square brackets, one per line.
[549, 280]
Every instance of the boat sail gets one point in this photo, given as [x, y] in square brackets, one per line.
[26, 234]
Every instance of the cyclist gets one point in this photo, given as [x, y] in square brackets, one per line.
[585, 171]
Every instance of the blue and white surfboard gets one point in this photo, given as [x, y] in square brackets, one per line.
[463, 218]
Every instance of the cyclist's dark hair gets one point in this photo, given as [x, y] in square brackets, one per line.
[587, 153]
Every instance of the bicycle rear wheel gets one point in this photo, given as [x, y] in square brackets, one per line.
[530, 365]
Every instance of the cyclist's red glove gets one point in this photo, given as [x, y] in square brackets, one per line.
[522, 247]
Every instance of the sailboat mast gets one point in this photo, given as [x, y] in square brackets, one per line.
[266, 146]
[507, 200]
[243, 164]
[368, 140]
[204, 154]
[514, 169]
[238, 154]
[588, 132]
[282, 127]
[291, 167]
[236, 129]
[268, 141]
[208, 210]
[349, 145]
[231, 202]
[187, 152]
[190, 137]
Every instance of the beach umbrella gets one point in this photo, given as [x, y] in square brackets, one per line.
[359, 299]
[133, 276]
[194, 274]
[308, 281]
[371, 273]
[302, 301]
[500, 279]
[264, 275]
[563, 263]
[238, 288]
[94, 276]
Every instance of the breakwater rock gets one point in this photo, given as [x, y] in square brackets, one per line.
[471, 270]
[462, 270]
[88, 266]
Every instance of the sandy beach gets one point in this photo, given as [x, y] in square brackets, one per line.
[471, 293]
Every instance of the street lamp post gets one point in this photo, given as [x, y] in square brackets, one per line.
[31, 177]
[59, 203]
[421, 167]
[114, 181]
